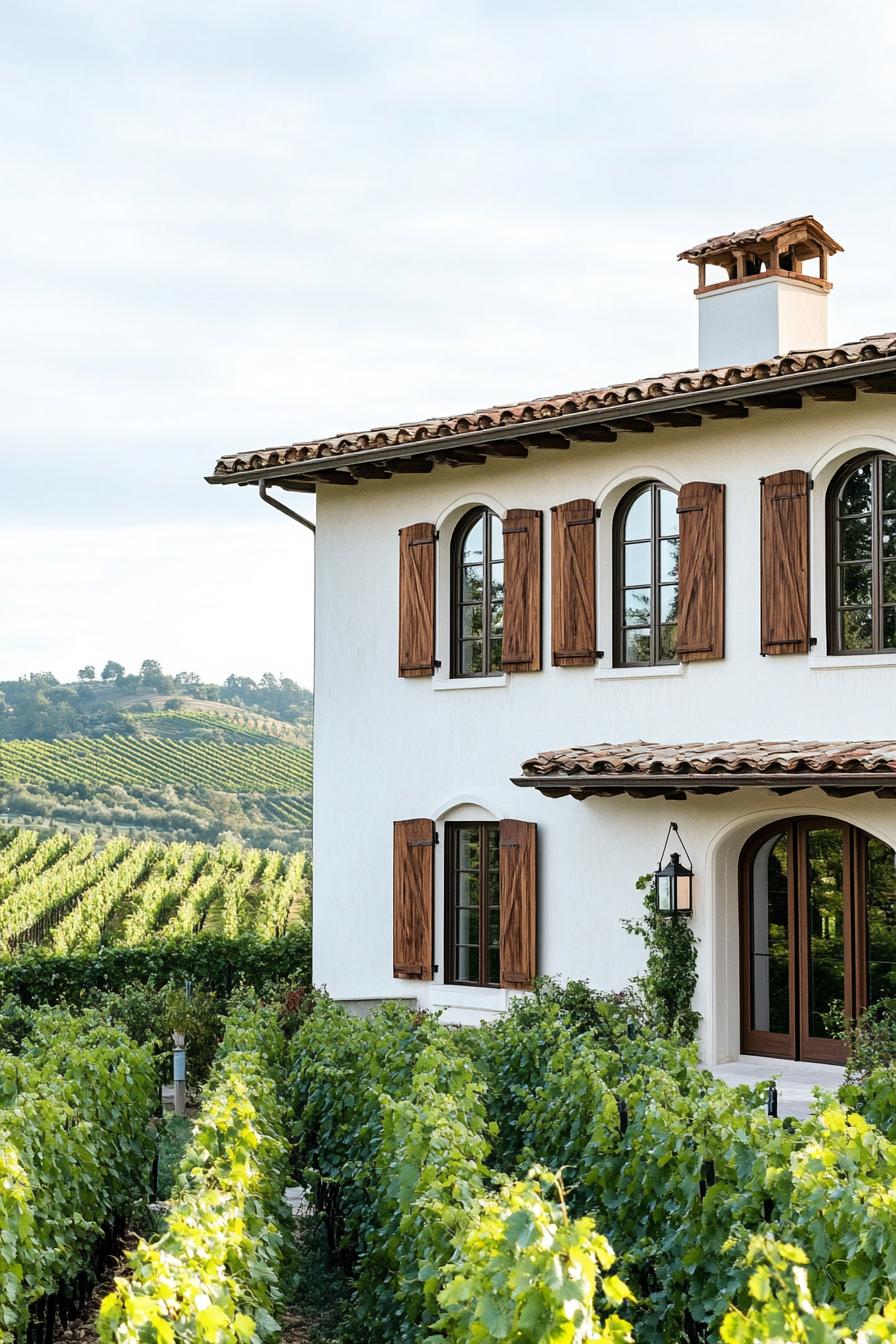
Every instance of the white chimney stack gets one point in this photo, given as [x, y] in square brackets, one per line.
[768, 304]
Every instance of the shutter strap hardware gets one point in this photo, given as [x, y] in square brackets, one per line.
[513, 662]
[423, 541]
[508, 530]
[422, 844]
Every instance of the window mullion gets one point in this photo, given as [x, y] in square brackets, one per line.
[877, 642]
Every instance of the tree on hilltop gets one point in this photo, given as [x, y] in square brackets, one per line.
[87, 673]
[112, 671]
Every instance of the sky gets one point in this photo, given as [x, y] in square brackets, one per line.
[230, 224]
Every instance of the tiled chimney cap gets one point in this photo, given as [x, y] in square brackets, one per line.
[775, 249]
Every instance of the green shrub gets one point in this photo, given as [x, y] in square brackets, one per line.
[525, 1271]
[211, 962]
[783, 1310]
[214, 1272]
[74, 1151]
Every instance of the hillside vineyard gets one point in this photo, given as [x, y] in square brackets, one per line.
[68, 895]
[153, 761]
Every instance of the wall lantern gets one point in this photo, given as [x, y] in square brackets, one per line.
[673, 892]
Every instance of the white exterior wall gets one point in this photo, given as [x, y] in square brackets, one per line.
[387, 747]
[760, 318]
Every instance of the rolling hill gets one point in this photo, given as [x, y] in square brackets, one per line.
[197, 764]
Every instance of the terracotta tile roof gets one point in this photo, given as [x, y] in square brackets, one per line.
[729, 757]
[767, 234]
[538, 413]
[654, 768]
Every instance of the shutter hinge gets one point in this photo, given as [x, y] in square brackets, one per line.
[811, 483]
[691, 508]
[422, 844]
[812, 641]
[507, 530]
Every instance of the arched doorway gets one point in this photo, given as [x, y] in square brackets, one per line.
[817, 933]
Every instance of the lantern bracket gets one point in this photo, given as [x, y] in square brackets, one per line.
[673, 826]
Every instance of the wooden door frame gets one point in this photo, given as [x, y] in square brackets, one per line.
[796, 1043]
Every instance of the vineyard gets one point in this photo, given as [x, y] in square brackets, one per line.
[72, 895]
[150, 762]
[531, 1181]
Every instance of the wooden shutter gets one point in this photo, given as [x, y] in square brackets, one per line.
[701, 571]
[417, 600]
[518, 883]
[413, 868]
[573, 614]
[784, 602]
[522, 591]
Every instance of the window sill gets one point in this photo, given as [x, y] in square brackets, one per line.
[468, 996]
[469, 683]
[636, 673]
[822, 662]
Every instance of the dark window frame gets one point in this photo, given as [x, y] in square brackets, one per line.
[453, 831]
[619, 585]
[489, 637]
[834, 562]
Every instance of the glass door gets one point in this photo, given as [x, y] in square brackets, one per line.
[825, 938]
[797, 946]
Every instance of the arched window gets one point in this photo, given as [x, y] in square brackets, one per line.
[862, 556]
[646, 577]
[477, 596]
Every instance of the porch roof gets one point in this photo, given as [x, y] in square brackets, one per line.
[657, 770]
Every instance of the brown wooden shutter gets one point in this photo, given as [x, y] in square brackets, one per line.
[701, 571]
[518, 884]
[522, 591]
[784, 602]
[417, 600]
[573, 614]
[413, 869]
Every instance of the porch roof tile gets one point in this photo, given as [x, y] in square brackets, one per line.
[656, 768]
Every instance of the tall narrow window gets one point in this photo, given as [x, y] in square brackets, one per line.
[862, 549]
[472, 903]
[646, 580]
[477, 603]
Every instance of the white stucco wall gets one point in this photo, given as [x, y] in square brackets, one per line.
[764, 317]
[387, 748]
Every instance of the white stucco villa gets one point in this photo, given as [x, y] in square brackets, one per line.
[544, 631]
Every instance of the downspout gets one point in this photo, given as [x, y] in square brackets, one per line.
[283, 508]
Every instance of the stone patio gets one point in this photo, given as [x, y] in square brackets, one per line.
[794, 1079]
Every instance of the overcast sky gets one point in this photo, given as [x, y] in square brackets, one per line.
[239, 223]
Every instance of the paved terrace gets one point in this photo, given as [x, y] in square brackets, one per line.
[794, 1079]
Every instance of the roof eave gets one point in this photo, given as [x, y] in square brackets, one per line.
[746, 391]
[584, 784]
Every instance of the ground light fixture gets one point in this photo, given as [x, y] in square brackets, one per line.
[673, 892]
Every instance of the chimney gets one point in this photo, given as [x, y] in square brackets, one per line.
[768, 303]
